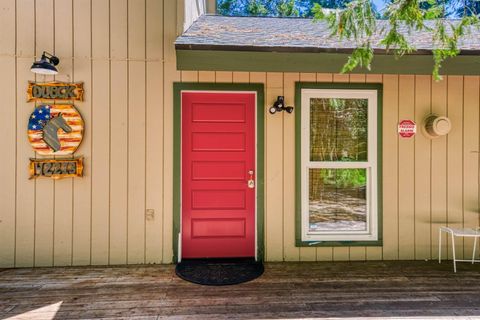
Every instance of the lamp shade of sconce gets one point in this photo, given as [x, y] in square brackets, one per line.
[279, 106]
[46, 64]
[436, 126]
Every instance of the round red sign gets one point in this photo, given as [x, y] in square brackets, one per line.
[407, 128]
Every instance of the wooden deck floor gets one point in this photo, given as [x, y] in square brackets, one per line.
[286, 290]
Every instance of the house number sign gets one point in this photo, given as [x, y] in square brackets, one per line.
[56, 168]
[54, 91]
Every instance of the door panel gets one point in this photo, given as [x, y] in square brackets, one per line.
[218, 151]
[218, 170]
[218, 141]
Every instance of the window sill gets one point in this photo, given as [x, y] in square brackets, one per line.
[376, 243]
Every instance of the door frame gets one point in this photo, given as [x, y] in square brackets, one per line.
[258, 90]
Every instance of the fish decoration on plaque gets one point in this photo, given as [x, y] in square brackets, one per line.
[55, 130]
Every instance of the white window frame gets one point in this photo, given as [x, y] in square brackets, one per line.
[371, 234]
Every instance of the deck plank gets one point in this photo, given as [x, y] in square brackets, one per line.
[286, 290]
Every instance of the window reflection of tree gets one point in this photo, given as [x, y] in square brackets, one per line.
[338, 132]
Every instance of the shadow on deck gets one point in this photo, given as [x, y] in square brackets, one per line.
[404, 289]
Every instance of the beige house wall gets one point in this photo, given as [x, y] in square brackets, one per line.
[426, 183]
[211, 6]
[123, 52]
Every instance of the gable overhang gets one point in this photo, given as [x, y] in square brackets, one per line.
[217, 58]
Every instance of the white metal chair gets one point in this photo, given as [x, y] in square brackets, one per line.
[455, 232]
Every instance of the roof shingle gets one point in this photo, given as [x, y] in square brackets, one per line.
[212, 32]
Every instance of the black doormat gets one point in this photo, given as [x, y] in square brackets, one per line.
[219, 272]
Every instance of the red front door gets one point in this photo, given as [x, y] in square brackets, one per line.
[218, 159]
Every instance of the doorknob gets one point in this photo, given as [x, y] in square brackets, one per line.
[251, 181]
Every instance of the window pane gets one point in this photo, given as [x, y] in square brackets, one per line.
[337, 200]
[338, 129]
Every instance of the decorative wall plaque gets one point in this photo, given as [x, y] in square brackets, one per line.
[56, 168]
[55, 130]
[54, 91]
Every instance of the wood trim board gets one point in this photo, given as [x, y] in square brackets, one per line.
[260, 180]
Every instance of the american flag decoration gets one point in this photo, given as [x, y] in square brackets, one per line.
[55, 129]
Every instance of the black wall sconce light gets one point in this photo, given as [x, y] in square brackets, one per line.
[46, 64]
[279, 106]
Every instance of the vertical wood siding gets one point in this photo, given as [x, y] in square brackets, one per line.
[123, 51]
[426, 183]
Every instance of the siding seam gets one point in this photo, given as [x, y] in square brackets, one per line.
[145, 133]
[127, 208]
[91, 136]
[16, 139]
[109, 130]
[414, 172]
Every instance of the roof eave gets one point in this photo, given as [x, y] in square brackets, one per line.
[190, 57]
[291, 49]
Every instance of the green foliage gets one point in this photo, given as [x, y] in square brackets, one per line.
[277, 8]
[317, 11]
[255, 8]
[224, 7]
[317, 6]
[344, 178]
[357, 21]
[286, 8]
[280, 8]
[470, 8]
[338, 129]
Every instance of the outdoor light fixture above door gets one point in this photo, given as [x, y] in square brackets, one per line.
[279, 105]
[46, 64]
